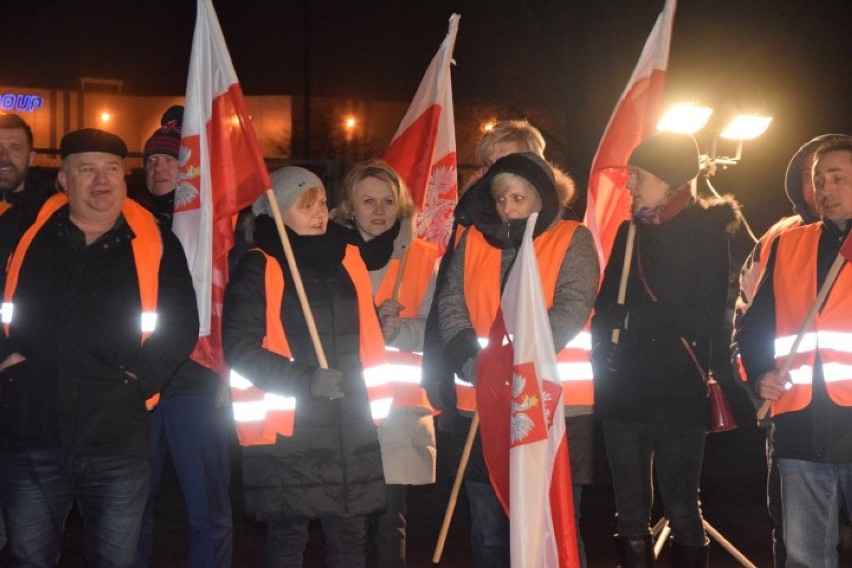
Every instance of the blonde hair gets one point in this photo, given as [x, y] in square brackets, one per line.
[519, 132]
[309, 196]
[503, 181]
[380, 170]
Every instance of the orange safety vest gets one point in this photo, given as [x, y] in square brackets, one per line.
[482, 295]
[4, 206]
[795, 288]
[404, 367]
[147, 248]
[260, 417]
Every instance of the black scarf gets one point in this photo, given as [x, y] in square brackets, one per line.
[377, 251]
[324, 253]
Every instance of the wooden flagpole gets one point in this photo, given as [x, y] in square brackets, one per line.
[625, 274]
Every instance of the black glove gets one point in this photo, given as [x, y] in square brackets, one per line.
[469, 370]
[606, 358]
[326, 384]
[616, 316]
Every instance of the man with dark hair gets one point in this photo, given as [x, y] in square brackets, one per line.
[98, 312]
[192, 422]
[812, 403]
[21, 194]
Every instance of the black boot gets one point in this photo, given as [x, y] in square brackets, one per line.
[690, 556]
[636, 551]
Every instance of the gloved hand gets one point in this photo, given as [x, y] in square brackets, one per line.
[469, 370]
[326, 384]
[606, 358]
[616, 316]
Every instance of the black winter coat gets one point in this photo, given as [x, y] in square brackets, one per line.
[332, 465]
[77, 322]
[685, 265]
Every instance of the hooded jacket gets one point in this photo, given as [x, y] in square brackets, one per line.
[684, 262]
[576, 282]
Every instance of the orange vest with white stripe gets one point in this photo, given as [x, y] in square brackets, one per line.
[405, 367]
[261, 417]
[482, 295]
[147, 246]
[830, 334]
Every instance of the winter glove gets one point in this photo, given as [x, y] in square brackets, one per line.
[616, 316]
[606, 358]
[326, 384]
[469, 370]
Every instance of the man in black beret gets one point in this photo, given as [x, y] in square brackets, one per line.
[98, 312]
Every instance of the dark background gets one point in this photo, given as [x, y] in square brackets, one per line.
[561, 63]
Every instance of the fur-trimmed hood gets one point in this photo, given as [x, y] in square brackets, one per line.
[724, 212]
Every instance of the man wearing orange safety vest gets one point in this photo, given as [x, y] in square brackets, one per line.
[798, 185]
[98, 311]
[811, 406]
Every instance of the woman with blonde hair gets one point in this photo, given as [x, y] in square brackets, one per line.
[377, 207]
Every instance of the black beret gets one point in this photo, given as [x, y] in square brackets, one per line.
[92, 140]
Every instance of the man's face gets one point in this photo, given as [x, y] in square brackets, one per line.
[95, 185]
[161, 173]
[833, 186]
[16, 157]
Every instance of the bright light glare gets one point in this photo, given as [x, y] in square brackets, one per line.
[106, 117]
[687, 117]
[350, 122]
[746, 127]
[488, 126]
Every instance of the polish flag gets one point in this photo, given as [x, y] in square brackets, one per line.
[423, 150]
[222, 171]
[635, 118]
[522, 422]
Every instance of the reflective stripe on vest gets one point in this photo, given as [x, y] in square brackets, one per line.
[572, 364]
[481, 289]
[405, 368]
[147, 247]
[830, 335]
[260, 417]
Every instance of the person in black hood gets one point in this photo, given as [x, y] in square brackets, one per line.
[310, 447]
[798, 184]
[649, 390]
[497, 206]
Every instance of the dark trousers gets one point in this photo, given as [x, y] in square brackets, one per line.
[675, 453]
[773, 505]
[386, 531]
[38, 489]
[191, 429]
[489, 526]
[344, 542]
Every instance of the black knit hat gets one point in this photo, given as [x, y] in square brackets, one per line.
[91, 140]
[166, 139]
[671, 156]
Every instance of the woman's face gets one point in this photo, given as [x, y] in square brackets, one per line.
[648, 191]
[515, 199]
[308, 218]
[373, 207]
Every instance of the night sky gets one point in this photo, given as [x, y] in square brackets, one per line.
[565, 62]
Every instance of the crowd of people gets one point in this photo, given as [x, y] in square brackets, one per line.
[349, 340]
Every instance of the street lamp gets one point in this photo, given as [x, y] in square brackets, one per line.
[692, 117]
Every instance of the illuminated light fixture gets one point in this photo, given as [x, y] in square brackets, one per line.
[350, 122]
[106, 116]
[746, 127]
[488, 126]
[686, 117]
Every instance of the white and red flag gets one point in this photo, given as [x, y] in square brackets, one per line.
[522, 422]
[635, 118]
[423, 150]
[222, 171]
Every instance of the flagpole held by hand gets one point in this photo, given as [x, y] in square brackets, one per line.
[398, 282]
[454, 494]
[830, 278]
[297, 279]
[625, 273]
